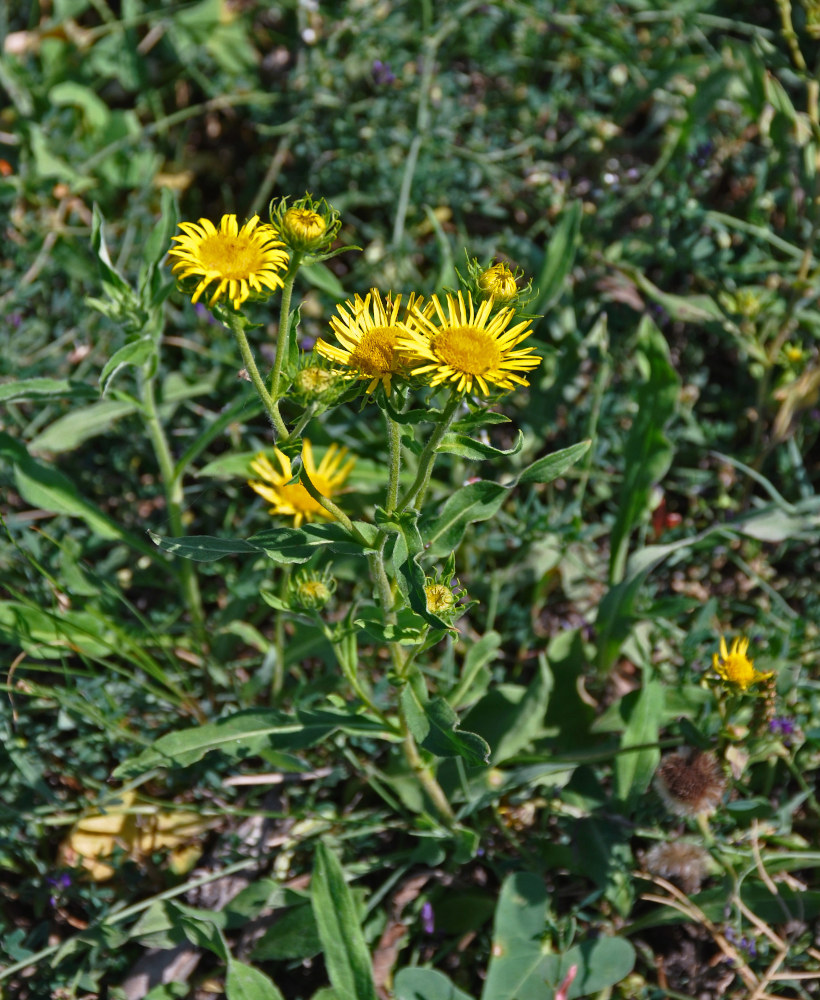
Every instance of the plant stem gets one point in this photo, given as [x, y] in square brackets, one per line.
[272, 409]
[279, 639]
[335, 512]
[283, 337]
[424, 774]
[394, 470]
[425, 470]
[172, 484]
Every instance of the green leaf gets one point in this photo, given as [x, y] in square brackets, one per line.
[648, 452]
[295, 935]
[558, 258]
[72, 430]
[287, 545]
[406, 549]
[347, 959]
[522, 969]
[474, 673]
[47, 489]
[696, 309]
[615, 611]
[426, 984]
[137, 352]
[474, 502]
[511, 716]
[339, 540]
[467, 447]
[109, 274]
[247, 734]
[550, 467]
[243, 982]
[203, 548]
[95, 110]
[434, 726]
[19, 390]
[643, 710]
[321, 277]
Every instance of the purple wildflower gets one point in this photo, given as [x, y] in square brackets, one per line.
[382, 74]
[428, 922]
[60, 883]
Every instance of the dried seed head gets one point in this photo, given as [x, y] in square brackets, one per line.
[690, 782]
[684, 864]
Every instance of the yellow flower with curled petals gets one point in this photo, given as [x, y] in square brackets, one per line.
[239, 261]
[369, 332]
[292, 499]
[470, 348]
[734, 667]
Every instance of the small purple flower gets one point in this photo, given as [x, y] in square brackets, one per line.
[428, 922]
[382, 74]
[15, 319]
[783, 726]
[702, 154]
[203, 312]
[743, 943]
[60, 883]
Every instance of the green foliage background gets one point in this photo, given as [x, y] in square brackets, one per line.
[653, 167]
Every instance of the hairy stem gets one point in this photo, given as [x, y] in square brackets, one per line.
[415, 494]
[172, 485]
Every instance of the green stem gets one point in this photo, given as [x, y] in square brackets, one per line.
[425, 470]
[283, 337]
[424, 774]
[378, 575]
[278, 678]
[272, 409]
[394, 470]
[172, 484]
[335, 512]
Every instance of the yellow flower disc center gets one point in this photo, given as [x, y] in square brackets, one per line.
[231, 257]
[739, 670]
[467, 349]
[439, 598]
[304, 223]
[375, 353]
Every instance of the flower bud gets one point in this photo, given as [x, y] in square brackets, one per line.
[307, 226]
[314, 381]
[311, 591]
[498, 283]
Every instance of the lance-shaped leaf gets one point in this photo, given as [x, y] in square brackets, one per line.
[406, 549]
[347, 959]
[434, 726]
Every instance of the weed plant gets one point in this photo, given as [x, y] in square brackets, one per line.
[409, 441]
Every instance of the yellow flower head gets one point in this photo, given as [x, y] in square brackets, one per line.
[292, 499]
[311, 590]
[238, 260]
[440, 598]
[369, 331]
[303, 225]
[307, 226]
[734, 667]
[498, 282]
[468, 347]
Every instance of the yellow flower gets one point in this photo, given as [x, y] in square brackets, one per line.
[308, 226]
[735, 667]
[369, 332]
[469, 348]
[302, 225]
[292, 499]
[440, 598]
[238, 260]
[498, 282]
